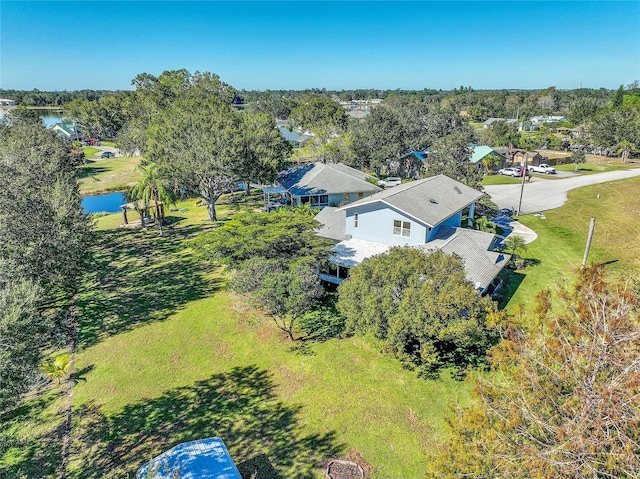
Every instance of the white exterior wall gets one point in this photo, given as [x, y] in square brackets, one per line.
[375, 223]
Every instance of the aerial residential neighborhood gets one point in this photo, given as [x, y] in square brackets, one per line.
[272, 240]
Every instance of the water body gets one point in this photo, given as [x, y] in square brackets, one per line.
[48, 117]
[106, 203]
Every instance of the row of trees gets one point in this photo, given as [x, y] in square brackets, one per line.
[185, 127]
[44, 236]
[49, 98]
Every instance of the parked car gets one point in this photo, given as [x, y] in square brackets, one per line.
[390, 181]
[108, 154]
[515, 172]
[543, 168]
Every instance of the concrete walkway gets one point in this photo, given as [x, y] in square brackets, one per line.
[543, 195]
[518, 229]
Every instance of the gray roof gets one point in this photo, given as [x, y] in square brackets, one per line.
[489, 121]
[481, 264]
[333, 224]
[325, 178]
[430, 200]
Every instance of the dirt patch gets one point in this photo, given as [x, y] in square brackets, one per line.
[355, 456]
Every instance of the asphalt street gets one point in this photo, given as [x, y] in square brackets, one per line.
[542, 194]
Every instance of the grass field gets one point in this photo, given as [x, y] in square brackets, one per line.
[499, 180]
[167, 354]
[562, 236]
[90, 152]
[99, 176]
[590, 168]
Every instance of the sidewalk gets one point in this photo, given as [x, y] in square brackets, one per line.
[518, 229]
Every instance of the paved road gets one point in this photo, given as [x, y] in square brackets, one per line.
[543, 195]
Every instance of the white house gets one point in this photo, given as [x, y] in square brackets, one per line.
[425, 214]
[68, 131]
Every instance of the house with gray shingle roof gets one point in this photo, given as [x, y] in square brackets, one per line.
[325, 184]
[425, 214]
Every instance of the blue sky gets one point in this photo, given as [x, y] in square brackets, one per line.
[54, 45]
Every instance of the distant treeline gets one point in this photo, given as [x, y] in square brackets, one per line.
[51, 98]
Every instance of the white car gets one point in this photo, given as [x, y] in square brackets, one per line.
[390, 181]
[543, 168]
[515, 172]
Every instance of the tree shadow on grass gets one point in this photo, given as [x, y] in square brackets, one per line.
[261, 432]
[37, 453]
[512, 281]
[90, 171]
[136, 277]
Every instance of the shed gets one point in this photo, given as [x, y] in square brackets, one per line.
[203, 459]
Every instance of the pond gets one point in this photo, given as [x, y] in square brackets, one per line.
[106, 203]
[48, 116]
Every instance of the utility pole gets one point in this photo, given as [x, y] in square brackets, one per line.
[592, 227]
[524, 170]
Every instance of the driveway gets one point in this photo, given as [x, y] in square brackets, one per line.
[542, 195]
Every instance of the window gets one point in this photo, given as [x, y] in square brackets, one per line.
[402, 228]
[345, 198]
[360, 195]
[355, 220]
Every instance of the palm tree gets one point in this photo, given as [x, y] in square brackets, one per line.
[515, 243]
[58, 368]
[151, 188]
[625, 147]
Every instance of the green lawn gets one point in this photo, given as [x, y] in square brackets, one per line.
[90, 152]
[108, 143]
[591, 168]
[167, 354]
[499, 180]
[558, 251]
[99, 176]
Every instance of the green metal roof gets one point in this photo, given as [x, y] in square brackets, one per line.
[480, 151]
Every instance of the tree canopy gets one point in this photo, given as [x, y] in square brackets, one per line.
[44, 238]
[562, 399]
[285, 291]
[421, 306]
[286, 235]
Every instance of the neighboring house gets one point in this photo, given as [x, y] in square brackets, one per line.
[324, 184]
[203, 459]
[537, 121]
[528, 158]
[68, 131]
[516, 157]
[489, 121]
[7, 102]
[408, 165]
[481, 151]
[425, 214]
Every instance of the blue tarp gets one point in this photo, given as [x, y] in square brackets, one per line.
[203, 459]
